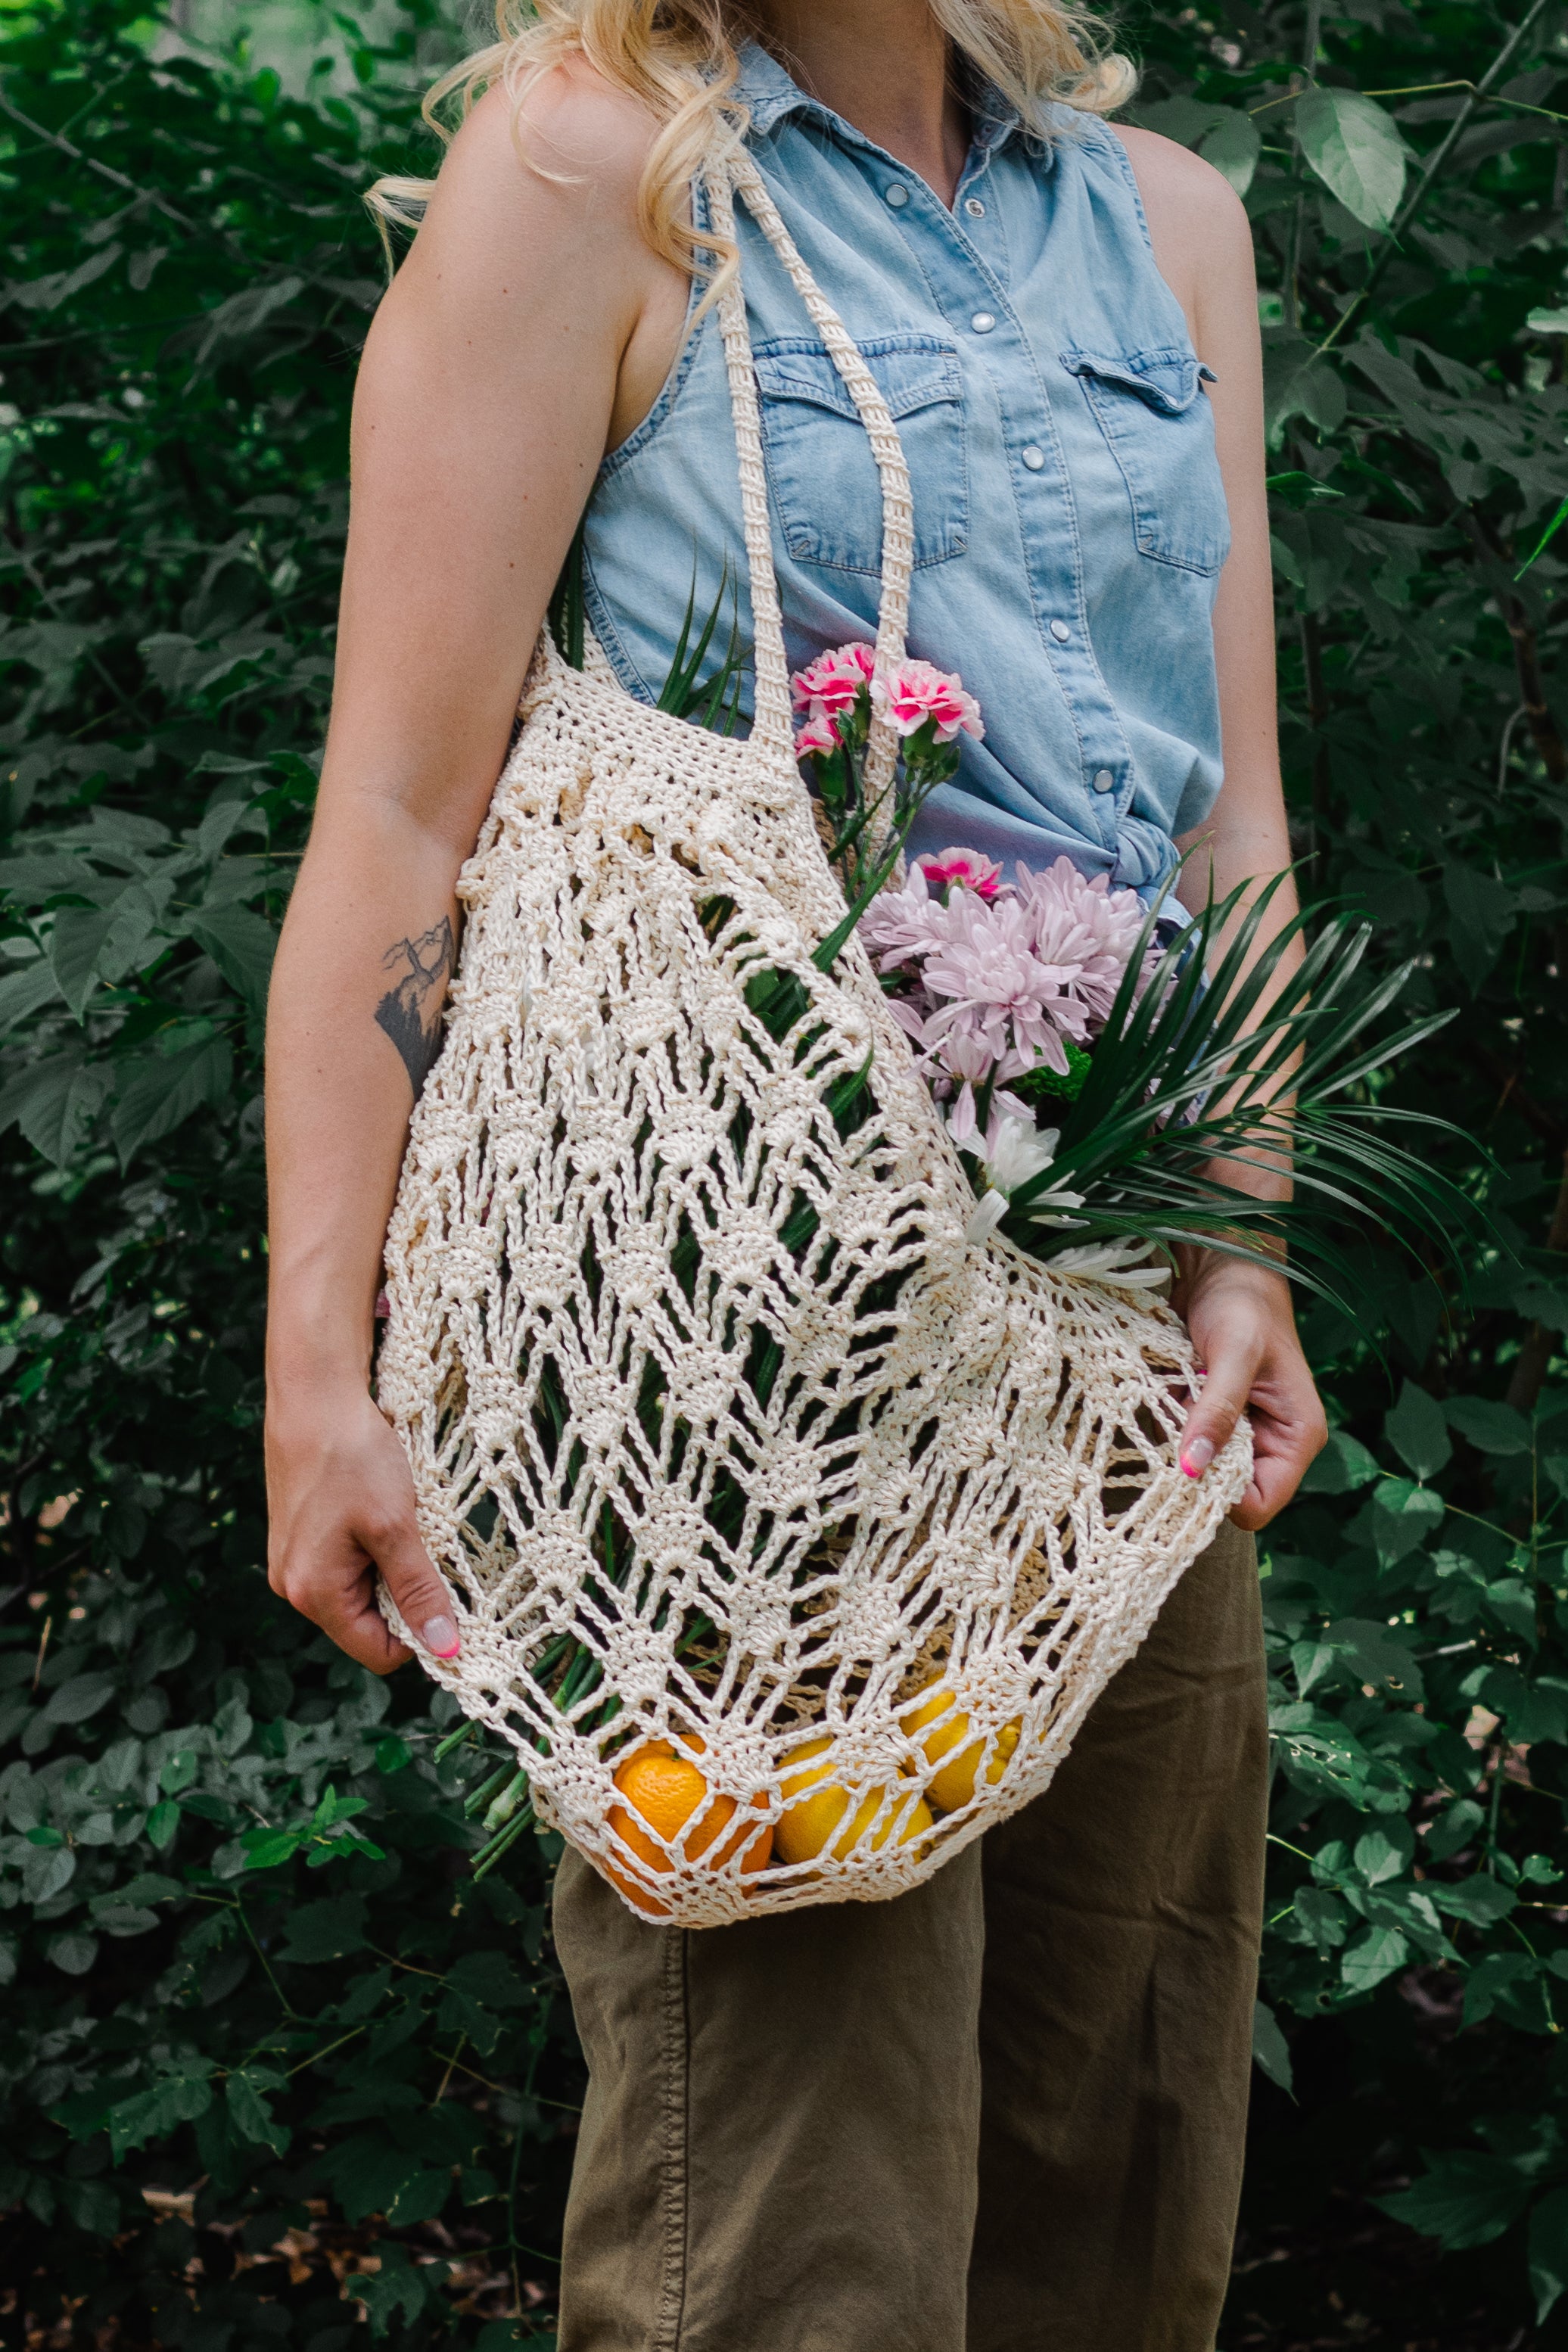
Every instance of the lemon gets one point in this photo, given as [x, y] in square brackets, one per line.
[816, 1816]
[952, 1787]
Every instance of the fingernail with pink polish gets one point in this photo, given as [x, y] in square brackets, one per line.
[1196, 1457]
[441, 1637]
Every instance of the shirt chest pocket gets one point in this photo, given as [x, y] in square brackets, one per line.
[824, 480]
[1154, 415]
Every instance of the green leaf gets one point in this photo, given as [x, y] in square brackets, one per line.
[72, 1952]
[367, 2175]
[1356, 152]
[1549, 2250]
[1378, 1655]
[1479, 1902]
[178, 1770]
[1377, 1953]
[82, 1696]
[1233, 147]
[76, 943]
[92, 2205]
[1483, 911]
[1492, 1428]
[1532, 1710]
[162, 1823]
[265, 1849]
[1463, 2199]
[489, 1978]
[1298, 382]
[1270, 2050]
[1415, 1431]
[155, 1093]
[1493, 1974]
[54, 1102]
[241, 945]
[1404, 1515]
[1343, 1464]
[325, 1931]
[251, 2116]
[22, 993]
[179, 2097]
[398, 2288]
[1455, 1829]
[1322, 1915]
[1386, 1852]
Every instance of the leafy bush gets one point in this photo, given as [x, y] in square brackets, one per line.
[268, 2034]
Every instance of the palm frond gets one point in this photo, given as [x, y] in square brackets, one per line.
[1195, 1070]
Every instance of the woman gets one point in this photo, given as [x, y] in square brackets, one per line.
[1004, 2111]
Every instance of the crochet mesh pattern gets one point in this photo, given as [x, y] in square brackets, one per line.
[693, 1363]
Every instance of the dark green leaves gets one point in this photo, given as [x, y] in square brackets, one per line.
[1464, 2200]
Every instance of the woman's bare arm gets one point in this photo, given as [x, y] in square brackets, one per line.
[492, 383]
[1240, 1315]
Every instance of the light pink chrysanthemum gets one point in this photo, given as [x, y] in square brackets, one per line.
[964, 868]
[917, 691]
[1002, 993]
[831, 683]
[899, 926]
[1084, 931]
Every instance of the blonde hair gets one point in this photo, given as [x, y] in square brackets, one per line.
[678, 57]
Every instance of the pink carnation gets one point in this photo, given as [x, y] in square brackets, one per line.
[817, 737]
[964, 868]
[917, 691]
[832, 682]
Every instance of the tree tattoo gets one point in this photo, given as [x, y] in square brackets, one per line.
[410, 1012]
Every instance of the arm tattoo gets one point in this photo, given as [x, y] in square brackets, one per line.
[410, 1012]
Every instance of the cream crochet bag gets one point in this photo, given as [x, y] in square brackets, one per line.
[693, 1382]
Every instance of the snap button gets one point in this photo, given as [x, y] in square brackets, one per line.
[898, 195]
[1034, 458]
[983, 322]
[1060, 631]
[974, 208]
[1103, 781]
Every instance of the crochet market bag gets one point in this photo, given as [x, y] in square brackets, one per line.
[698, 1385]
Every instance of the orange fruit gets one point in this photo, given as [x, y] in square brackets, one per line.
[954, 1786]
[816, 1816]
[663, 1789]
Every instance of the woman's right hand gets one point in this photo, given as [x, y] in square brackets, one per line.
[341, 1503]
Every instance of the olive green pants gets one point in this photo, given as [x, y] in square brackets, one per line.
[1004, 2113]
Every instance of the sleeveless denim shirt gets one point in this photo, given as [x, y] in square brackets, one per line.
[1069, 513]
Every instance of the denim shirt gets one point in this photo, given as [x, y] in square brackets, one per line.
[1069, 512]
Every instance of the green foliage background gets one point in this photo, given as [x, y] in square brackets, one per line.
[276, 2068]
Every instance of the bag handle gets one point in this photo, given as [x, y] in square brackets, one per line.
[735, 174]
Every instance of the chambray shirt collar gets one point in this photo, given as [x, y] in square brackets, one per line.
[769, 95]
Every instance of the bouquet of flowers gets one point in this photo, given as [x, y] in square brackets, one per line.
[1102, 1067]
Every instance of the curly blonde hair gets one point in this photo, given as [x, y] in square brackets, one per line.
[678, 57]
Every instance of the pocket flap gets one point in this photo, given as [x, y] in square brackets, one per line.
[912, 371]
[1166, 380]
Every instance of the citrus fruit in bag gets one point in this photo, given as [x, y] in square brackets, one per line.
[663, 1789]
[818, 1813]
[954, 1785]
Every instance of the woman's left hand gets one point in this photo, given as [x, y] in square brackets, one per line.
[1244, 1329]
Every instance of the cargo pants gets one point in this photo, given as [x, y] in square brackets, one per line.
[1003, 2113]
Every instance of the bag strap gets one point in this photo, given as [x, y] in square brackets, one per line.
[734, 174]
